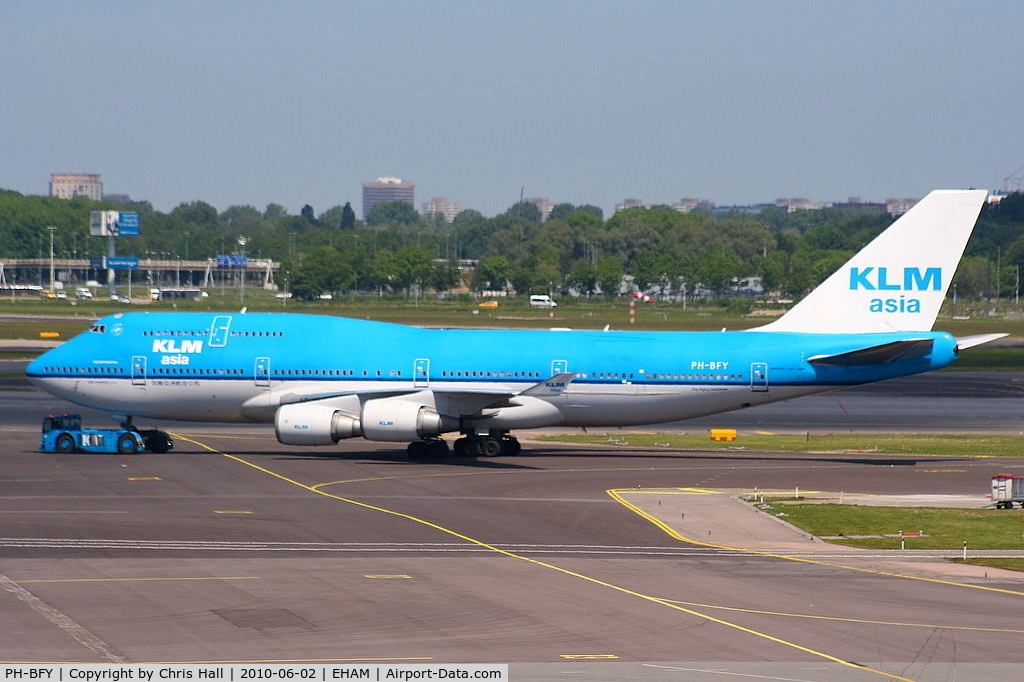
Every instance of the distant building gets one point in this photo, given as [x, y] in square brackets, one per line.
[118, 198]
[898, 207]
[857, 205]
[71, 185]
[449, 209]
[748, 209]
[543, 204]
[684, 205]
[792, 204]
[387, 189]
[689, 205]
[630, 203]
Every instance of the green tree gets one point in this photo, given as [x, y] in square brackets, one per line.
[274, 211]
[198, 213]
[546, 274]
[392, 213]
[561, 212]
[445, 275]
[609, 275]
[413, 266]
[246, 219]
[774, 271]
[584, 277]
[321, 271]
[348, 217]
[383, 270]
[648, 269]
[308, 214]
[492, 273]
[525, 210]
[975, 276]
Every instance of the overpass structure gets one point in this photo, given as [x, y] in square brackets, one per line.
[151, 271]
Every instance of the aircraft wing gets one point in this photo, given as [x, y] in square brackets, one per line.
[452, 400]
[908, 349]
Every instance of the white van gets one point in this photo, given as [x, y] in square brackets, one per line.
[542, 301]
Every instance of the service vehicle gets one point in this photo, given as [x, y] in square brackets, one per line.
[1007, 489]
[542, 301]
[64, 433]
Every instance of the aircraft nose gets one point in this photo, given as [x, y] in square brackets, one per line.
[35, 372]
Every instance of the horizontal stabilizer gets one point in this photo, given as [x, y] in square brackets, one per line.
[977, 340]
[910, 349]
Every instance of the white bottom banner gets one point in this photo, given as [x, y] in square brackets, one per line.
[235, 672]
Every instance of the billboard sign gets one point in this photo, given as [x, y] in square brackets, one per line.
[114, 224]
[232, 261]
[122, 263]
[128, 223]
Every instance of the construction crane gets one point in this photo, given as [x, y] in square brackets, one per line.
[1014, 182]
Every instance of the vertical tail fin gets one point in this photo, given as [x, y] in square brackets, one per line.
[898, 281]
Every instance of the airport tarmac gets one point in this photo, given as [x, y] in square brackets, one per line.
[567, 562]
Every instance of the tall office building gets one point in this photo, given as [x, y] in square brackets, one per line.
[449, 209]
[71, 185]
[387, 189]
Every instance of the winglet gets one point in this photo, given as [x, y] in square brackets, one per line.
[899, 280]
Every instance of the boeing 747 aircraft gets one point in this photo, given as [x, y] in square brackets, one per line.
[321, 379]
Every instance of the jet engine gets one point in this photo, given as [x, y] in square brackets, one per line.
[394, 419]
[305, 424]
[385, 419]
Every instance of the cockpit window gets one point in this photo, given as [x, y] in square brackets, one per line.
[98, 328]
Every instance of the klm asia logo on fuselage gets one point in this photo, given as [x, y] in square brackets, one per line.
[887, 283]
[176, 351]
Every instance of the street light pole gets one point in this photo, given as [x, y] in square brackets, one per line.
[52, 229]
[242, 241]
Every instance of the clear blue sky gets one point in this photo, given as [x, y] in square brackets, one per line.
[253, 102]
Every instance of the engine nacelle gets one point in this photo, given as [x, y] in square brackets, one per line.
[304, 424]
[394, 419]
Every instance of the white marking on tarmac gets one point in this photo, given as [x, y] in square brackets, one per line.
[61, 620]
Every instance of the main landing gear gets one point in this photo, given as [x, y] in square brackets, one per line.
[494, 444]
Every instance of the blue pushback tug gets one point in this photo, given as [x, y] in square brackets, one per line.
[64, 433]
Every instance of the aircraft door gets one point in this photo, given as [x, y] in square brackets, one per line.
[138, 370]
[262, 371]
[421, 372]
[759, 377]
[219, 331]
[559, 366]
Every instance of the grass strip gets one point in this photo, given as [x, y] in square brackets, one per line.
[945, 445]
[872, 527]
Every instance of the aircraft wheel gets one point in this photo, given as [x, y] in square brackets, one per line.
[417, 450]
[491, 447]
[437, 449]
[510, 447]
[470, 446]
[65, 443]
[126, 444]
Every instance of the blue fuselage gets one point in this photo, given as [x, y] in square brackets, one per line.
[219, 366]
